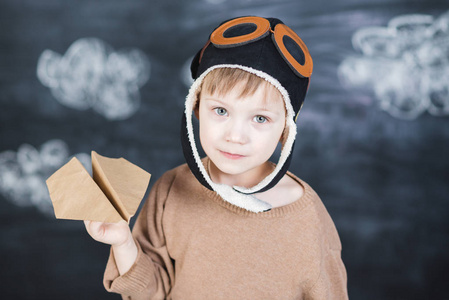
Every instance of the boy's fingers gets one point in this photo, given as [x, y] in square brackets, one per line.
[108, 233]
[92, 227]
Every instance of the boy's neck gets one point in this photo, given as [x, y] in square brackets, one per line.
[246, 180]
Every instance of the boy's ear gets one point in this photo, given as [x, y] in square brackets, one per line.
[284, 136]
[196, 111]
[196, 105]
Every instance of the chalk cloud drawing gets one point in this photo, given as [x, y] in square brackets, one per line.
[92, 75]
[405, 64]
[23, 173]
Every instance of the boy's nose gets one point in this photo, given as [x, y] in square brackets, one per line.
[236, 132]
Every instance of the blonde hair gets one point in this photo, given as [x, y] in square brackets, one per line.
[223, 80]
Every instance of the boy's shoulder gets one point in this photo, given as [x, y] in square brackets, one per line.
[176, 170]
[181, 171]
[174, 183]
[180, 178]
[320, 216]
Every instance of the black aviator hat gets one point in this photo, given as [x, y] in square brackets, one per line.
[266, 48]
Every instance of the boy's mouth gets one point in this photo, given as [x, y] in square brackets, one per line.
[231, 155]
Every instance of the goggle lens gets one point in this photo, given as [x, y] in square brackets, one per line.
[294, 51]
[240, 31]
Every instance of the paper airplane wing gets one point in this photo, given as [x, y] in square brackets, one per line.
[123, 183]
[76, 196]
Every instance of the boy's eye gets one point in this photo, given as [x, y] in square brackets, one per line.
[260, 119]
[220, 111]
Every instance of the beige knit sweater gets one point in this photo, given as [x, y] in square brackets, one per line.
[194, 245]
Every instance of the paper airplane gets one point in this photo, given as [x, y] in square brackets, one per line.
[113, 194]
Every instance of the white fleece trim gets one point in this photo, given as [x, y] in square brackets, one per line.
[228, 193]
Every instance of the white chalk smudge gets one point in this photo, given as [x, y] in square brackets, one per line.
[23, 173]
[405, 64]
[92, 75]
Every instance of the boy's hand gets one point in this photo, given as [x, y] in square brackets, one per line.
[119, 236]
[115, 234]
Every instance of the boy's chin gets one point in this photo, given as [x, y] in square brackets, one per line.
[240, 174]
[228, 169]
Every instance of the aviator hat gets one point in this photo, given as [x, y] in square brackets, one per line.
[266, 48]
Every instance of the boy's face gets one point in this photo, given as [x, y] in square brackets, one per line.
[240, 134]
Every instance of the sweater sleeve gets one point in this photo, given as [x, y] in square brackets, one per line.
[152, 273]
[331, 282]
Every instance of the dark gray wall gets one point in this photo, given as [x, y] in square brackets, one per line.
[383, 179]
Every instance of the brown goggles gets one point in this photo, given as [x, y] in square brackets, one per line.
[245, 30]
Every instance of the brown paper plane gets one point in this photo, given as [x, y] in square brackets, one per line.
[113, 194]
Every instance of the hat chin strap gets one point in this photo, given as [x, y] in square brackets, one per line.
[238, 196]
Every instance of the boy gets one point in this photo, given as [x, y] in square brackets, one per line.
[233, 225]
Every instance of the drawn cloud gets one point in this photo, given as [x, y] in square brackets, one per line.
[405, 64]
[92, 75]
[23, 173]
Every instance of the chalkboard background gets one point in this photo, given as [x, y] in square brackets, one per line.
[383, 178]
